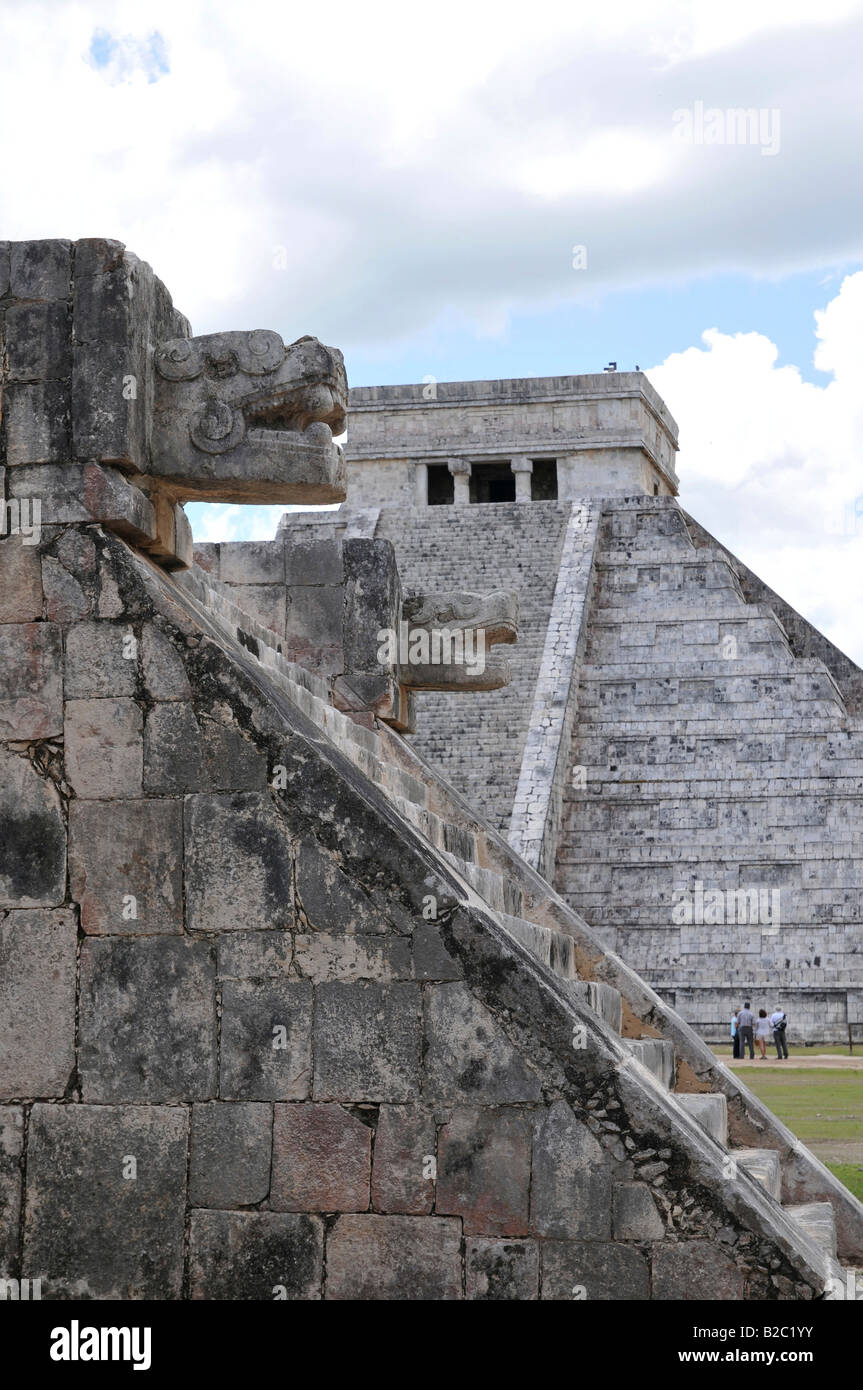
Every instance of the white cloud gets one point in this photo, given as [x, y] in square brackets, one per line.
[773, 465]
[419, 161]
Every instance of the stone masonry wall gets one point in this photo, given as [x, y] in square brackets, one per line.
[714, 755]
[246, 1063]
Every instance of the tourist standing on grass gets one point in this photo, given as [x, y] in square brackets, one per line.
[778, 1022]
[745, 1024]
[735, 1036]
[763, 1029]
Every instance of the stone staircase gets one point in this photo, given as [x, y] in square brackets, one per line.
[712, 752]
[692, 1088]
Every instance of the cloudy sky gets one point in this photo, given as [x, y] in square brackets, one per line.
[412, 184]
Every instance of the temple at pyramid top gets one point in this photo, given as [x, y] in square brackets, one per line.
[519, 440]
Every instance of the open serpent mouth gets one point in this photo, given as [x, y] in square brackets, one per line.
[315, 411]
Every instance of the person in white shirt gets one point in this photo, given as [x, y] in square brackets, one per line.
[777, 1023]
[763, 1029]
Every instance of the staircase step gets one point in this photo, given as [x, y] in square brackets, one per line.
[764, 1167]
[553, 948]
[604, 999]
[818, 1220]
[656, 1055]
[503, 894]
[711, 1112]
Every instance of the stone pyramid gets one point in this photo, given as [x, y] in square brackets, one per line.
[283, 1014]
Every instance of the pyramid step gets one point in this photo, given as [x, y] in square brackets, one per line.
[710, 1111]
[818, 1220]
[553, 948]
[604, 999]
[763, 1165]
[503, 894]
[656, 1055]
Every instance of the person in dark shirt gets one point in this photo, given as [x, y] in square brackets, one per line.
[745, 1025]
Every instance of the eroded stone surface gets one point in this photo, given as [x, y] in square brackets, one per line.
[126, 865]
[147, 1020]
[251, 1255]
[394, 1257]
[231, 1152]
[93, 1230]
[37, 1003]
[321, 1159]
[32, 836]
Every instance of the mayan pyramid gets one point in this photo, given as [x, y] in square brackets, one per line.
[298, 1003]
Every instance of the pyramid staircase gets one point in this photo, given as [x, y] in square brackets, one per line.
[762, 1163]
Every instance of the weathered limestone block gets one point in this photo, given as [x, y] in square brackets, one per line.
[40, 269]
[313, 622]
[432, 961]
[120, 308]
[255, 954]
[32, 836]
[241, 417]
[321, 1159]
[267, 604]
[251, 1255]
[31, 681]
[394, 1257]
[38, 342]
[173, 756]
[570, 1195]
[20, 581]
[81, 492]
[323, 956]
[126, 865]
[308, 562]
[162, 666]
[405, 1141]
[266, 1040]
[595, 1271]
[255, 562]
[37, 422]
[502, 1270]
[238, 863]
[147, 1020]
[696, 1269]
[106, 1188]
[367, 1042]
[187, 753]
[484, 1170]
[468, 1055]
[104, 747]
[231, 1153]
[11, 1149]
[635, 1213]
[100, 661]
[68, 576]
[329, 900]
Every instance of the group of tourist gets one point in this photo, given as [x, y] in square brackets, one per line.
[746, 1030]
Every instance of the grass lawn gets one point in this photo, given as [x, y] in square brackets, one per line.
[819, 1105]
[852, 1176]
[824, 1109]
[723, 1050]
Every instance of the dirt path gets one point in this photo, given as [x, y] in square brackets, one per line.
[799, 1062]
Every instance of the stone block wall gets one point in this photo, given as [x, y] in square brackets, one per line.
[714, 755]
